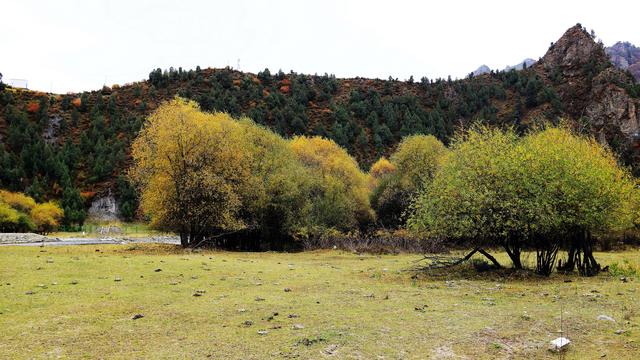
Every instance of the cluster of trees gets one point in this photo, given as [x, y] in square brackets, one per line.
[546, 191]
[21, 213]
[207, 176]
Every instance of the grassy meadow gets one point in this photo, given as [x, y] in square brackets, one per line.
[80, 302]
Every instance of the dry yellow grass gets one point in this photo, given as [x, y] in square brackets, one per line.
[77, 302]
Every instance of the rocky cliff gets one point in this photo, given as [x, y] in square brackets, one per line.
[625, 56]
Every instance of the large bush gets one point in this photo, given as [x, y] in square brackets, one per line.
[340, 191]
[20, 213]
[496, 189]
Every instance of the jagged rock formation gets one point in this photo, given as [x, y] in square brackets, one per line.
[104, 208]
[482, 69]
[625, 56]
[592, 90]
[523, 65]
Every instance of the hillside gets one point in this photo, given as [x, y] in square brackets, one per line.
[54, 145]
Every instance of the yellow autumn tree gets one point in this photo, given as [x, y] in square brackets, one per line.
[381, 168]
[17, 201]
[191, 169]
[342, 200]
[9, 217]
[46, 217]
[207, 175]
[21, 213]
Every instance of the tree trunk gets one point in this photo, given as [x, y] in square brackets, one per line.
[491, 258]
[184, 239]
[513, 250]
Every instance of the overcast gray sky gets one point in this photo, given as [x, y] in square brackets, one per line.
[68, 45]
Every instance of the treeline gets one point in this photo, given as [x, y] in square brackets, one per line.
[374, 115]
[234, 183]
[20, 213]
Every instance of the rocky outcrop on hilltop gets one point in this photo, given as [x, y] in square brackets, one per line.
[592, 90]
[625, 56]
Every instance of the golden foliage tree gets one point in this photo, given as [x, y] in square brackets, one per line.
[20, 213]
[342, 200]
[191, 167]
[46, 217]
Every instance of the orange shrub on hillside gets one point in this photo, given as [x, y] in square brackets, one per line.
[284, 89]
[87, 195]
[76, 102]
[33, 107]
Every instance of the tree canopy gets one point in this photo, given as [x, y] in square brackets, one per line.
[537, 191]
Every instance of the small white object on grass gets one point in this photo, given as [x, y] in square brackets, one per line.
[560, 343]
[606, 318]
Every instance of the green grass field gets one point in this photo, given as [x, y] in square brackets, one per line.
[78, 302]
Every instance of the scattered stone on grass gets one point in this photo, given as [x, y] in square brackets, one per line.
[559, 344]
[74, 282]
[287, 289]
[331, 349]
[298, 327]
[262, 332]
[247, 323]
[309, 342]
[117, 279]
[293, 316]
[29, 292]
[620, 331]
[157, 270]
[259, 298]
[606, 318]
[199, 292]
[137, 316]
